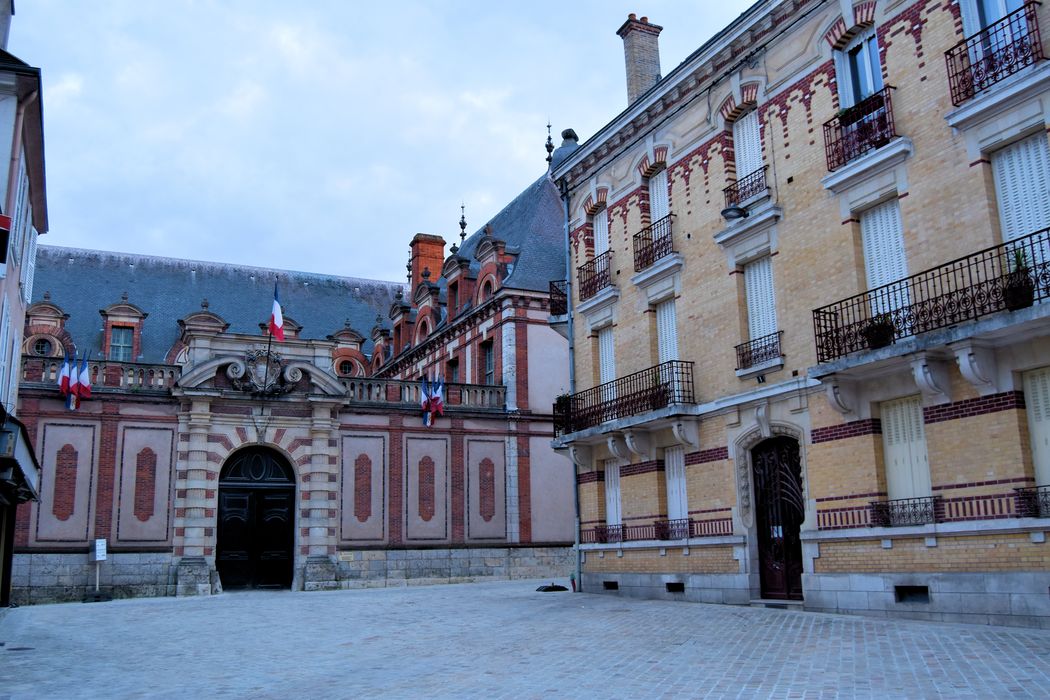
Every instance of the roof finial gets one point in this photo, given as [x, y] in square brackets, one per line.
[204, 304]
[462, 221]
[47, 296]
[124, 297]
[550, 143]
[379, 320]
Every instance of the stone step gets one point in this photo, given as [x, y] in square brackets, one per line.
[775, 604]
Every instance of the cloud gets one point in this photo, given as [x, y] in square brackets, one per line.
[64, 90]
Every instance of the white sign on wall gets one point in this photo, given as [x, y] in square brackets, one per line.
[99, 553]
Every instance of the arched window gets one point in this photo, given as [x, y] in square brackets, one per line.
[42, 346]
[346, 368]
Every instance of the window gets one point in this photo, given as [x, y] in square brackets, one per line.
[601, 232]
[666, 332]
[904, 449]
[884, 260]
[42, 346]
[346, 368]
[761, 305]
[606, 356]
[28, 266]
[674, 472]
[613, 514]
[1022, 177]
[978, 14]
[452, 371]
[488, 363]
[1037, 399]
[453, 299]
[747, 144]
[659, 205]
[5, 350]
[120, 343]
[858, 69]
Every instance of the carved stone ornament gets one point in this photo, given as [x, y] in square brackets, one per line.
[263, 374]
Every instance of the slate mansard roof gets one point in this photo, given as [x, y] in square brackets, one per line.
[81, 282]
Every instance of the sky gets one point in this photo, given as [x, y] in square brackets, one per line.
[317, 135]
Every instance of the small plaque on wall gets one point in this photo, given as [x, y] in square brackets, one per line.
[99, 552]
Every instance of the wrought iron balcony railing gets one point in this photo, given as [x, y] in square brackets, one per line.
[594, 275]
[663, 385]
[746, 187]
[907, 511]
[759, 351]
[658, 530]
[652, 243]
[559, 298]
[994, 53]
[856, 130]
[1008, 276]
[1033, 502]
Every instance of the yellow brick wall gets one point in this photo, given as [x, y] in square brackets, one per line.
[952, 554]
[643, 496]
[700, 560]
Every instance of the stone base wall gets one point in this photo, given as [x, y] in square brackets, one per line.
[62, 578]
[730, 589]
[998, 598]
[407, 567]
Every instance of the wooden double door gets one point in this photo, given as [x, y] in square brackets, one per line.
[256, 521]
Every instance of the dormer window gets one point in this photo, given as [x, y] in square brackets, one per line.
[42, 347]
[486, 291]
[121, 341]
[453, 299]
[346, 368]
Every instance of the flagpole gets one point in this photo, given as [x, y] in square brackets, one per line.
[269, 342]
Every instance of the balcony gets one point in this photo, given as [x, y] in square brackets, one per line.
[658, 530]
[746, 187]
[657, 387]
[907, 511]
[594, 275]
[994, 53]
[758, 352]
[856, 130]
[1033, 502]
[559, 297]
[1009, 276]
[653, 243]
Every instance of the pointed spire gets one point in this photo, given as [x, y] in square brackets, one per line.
[550, 143]
[462, 221]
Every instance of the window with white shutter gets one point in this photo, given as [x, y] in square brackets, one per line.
[747, 144]
[1022, 186]
[904, 449]
[612, 493]
[601, 232]
[666, 332]
[858, 69]
[884, 259]
[606, 358]
[978, 14]
[29, 266]
[659, 205]
[1037, 401]
[761, 304]
[5, 349]
[674, 473]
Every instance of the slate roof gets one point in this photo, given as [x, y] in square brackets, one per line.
[81, 282]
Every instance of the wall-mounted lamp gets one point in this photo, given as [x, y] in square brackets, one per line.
[733, 212]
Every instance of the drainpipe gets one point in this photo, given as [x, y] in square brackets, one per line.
[16, 154]
[563, 188]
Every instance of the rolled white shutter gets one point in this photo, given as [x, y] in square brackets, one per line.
[674, 473]
[606, 358]
[761, 304]
[884, 258]
[1037, 400]
[601, 232]
[1022, 186]
[747, 144]
[666, 331]
[904, 449]
[612, 492]
[659, 206]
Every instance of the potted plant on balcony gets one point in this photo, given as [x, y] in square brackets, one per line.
[878, 331]
[1018, 287]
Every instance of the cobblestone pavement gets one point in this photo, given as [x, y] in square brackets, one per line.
[497, 640]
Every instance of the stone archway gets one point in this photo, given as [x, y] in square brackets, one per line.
[256, 520]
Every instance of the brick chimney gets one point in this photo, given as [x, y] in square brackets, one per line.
[641, 51]
[428, 253]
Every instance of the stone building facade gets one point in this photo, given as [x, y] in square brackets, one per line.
[811, 343]
[210, 458]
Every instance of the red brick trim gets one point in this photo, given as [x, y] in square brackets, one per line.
[872, 495]
[703, 456]
[1006, 401]
[844, 518]
[994, 482]
[987, 507]
[656, 465]
[856, 428]
[590, 477]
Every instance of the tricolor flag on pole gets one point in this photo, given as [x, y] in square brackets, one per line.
[424, 400]
[276, 317]
[63, 376]
[437, 399]
[73, 397]
[85, 378]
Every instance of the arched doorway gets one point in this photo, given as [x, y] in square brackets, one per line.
[256, 532]
[779, 511]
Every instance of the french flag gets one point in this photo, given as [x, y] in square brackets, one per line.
[73, 397]
[63, 376]
[276, 317]
[84, 379]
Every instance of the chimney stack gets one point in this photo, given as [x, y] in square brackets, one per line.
[641, 51]
[428, 253]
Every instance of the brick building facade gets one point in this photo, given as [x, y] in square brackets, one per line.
[811, 349]
[210, 459]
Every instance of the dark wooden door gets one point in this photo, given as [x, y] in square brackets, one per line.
[256, 521]
[779, 511]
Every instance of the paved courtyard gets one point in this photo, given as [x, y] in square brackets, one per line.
[497, 640]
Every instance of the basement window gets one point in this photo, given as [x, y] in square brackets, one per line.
[912, 594]
[675, 587]
[611, 585]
